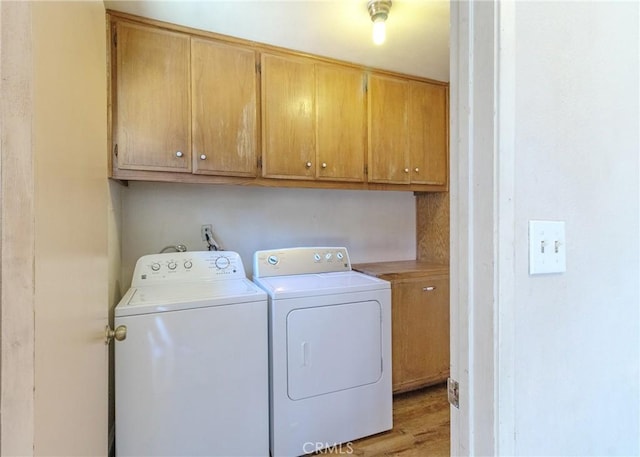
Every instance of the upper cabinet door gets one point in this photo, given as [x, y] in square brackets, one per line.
[152, 116]
[224, 109]
[288, 117]
[388, 130]
[341, 123]
[428, 128]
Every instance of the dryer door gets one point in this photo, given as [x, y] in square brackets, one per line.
[332, 348]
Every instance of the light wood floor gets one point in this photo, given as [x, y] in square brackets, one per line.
[420, 427]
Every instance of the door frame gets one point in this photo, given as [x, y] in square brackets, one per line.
[17, 232]
[482, 223]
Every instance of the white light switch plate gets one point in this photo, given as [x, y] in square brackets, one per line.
[547, 247]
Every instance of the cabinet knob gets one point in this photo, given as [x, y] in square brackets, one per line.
[308, 164]
[428, 288]
[417, 170]
[324, 165]
[406, 170]
[203, 157]
[179, 154]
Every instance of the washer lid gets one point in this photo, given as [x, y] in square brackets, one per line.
[173, 297]
[296, 286]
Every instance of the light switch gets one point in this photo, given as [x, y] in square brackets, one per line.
[547, 247]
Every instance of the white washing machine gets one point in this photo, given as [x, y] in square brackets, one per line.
[329, 350]
[192, 374]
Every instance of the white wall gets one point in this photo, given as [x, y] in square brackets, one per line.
[576, 159]
[373, 225]
[417, 31]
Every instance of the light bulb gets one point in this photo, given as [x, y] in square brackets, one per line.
[378, 31]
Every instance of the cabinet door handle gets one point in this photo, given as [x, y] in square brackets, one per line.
[417, 170]
[203, 157]
[428, 288]
[179, 154]
[324, 165]
[308, 164]
[406, 170]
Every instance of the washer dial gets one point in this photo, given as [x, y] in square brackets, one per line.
[222, 263]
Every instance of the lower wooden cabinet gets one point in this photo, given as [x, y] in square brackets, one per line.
[420, 332]
[420, 321]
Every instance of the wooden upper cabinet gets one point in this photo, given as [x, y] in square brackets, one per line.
[220, 109]
[314, 120]
[288, 117]
[341, 123]
[153, 118]
[407, 131]
[428, 129]
[224, 109]
[388, 130]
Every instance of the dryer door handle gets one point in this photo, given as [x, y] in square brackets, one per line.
[305, 353]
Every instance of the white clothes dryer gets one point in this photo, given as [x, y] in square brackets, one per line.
[329, 347]
[191, 377]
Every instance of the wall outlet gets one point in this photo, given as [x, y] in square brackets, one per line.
[547, 247]
[206, 229]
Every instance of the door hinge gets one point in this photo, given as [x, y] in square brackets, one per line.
[258, 67]
[115, 37]
[115, 150]
[365, 83]
[453, 392]
[260, 163]
[366, 170]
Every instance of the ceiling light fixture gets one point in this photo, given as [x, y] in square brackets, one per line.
[379, 11]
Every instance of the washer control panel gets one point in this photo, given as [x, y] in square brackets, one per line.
[188, 266]
[295, 261]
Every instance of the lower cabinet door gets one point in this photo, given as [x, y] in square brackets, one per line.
[420, 332]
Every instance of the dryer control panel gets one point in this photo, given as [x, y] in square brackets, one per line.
[187, 267]
[296, 261]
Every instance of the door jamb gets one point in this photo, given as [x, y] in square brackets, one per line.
[482, 226]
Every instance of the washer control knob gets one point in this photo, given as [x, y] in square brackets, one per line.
[273, 260]
[188, 264]
[328, 256]
[222, 263]
[340, 255]
[172, 265]
[317, 257]
[155, 266]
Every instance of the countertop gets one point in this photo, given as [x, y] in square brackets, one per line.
[401, 269]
